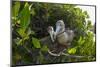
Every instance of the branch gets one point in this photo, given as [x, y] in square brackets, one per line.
[73, 56]
[53, 54]
[47, 41]
[65, 54]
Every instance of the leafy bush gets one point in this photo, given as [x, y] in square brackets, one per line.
[29, 25]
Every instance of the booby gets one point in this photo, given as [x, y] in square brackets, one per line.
[52, 33]
[63, 37]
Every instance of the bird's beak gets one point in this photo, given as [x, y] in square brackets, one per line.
[51, 35]
[58, 29]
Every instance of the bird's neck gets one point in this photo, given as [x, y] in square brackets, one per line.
[62, 30]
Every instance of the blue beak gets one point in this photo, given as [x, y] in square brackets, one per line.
[58, 29]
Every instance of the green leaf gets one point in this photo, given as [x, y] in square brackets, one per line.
[29, 31]
[21, 32]
[81, 40]
[86, 14]
[44, 48]
[32, 11]
[25, 16]
[15, 9]
[72, 51]
[18, 41]
[36, 43]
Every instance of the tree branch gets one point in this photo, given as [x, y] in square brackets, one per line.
[47, 41]
[65, 54]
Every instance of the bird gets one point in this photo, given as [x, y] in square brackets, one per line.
[63, 37]
[50, 30]
[57, 48]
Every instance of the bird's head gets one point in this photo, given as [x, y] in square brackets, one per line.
[60, 26]
[52, 33]
[50, 29]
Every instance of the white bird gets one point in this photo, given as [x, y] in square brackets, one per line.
[60, 37]
[64, 37]
[52, 33]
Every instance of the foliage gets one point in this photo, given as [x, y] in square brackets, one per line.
[29, 23]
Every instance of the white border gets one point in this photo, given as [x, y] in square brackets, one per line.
[5, 33]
